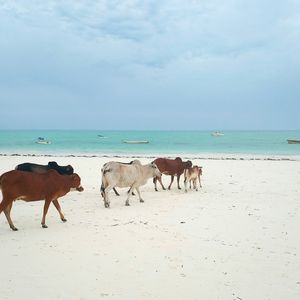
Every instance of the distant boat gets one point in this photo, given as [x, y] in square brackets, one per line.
[41, 140]
[101, 136]
[217, 133]
[293, 141]
[135, 142]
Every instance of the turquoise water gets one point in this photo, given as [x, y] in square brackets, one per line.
[160, 142]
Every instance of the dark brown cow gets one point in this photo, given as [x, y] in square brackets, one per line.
[52, 165]
[171, 167]
[27, 186]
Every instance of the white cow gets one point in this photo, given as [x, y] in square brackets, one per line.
[191, 175]
[132, 175]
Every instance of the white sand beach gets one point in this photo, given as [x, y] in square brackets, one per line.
[236, 238]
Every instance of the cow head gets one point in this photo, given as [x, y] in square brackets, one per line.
[68, 170]
[52, 164]
[156, 172]
[187, 164]
[76, 183]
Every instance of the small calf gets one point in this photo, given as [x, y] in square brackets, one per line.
[191, 175]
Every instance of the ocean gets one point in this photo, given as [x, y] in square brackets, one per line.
[168, 143]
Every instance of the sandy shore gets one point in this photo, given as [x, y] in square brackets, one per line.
[237, 238]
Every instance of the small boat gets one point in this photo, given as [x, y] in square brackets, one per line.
[42, 141]
[217, 133]
[136, 142]
[293, 141]
[101, 136]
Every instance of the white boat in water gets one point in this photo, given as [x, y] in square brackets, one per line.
[136, 142]
[42, 141]
[217, 133]
[293, 141]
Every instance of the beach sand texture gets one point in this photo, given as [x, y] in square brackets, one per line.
[237, 238]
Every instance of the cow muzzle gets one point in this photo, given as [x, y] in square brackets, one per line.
[80, 189]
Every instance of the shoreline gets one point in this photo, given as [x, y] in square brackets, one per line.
[200, 156]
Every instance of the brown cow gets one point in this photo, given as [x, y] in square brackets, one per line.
[191, 175]
[171, 167]
[27, 186]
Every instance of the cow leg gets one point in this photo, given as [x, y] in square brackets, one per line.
[138, 191]
[178, 177]
[186, 183]
[190, 184]
[160, 181]
[105, 196]
[172, 179]
[9, 220]
[46, 206]
[199, 181]
[129, 193]
[132, 193]
[195, 184]
[57, 206]
[155, 183]
[116, 192]
[4, 203]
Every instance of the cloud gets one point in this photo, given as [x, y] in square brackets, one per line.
[201, 54]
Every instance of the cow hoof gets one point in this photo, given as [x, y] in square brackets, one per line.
[106, 205]
[142, 201]
[127, 204]
[64, 220]
[14, 228]
[165, 188]
[44, 226]
[156, 190]
[179, 188]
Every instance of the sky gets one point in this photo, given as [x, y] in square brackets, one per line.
[137, 64]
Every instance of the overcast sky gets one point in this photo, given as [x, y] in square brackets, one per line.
[162, 64]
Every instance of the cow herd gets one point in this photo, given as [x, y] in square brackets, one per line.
[33, 182]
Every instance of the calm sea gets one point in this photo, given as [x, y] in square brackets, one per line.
[201, 143]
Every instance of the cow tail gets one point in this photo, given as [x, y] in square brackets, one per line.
[104, 182]
[102, 188]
